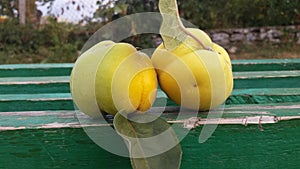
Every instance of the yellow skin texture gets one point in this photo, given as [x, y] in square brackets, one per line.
[111, 77]
[227, 67]
[193, 77]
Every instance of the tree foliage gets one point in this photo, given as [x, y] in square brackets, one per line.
[54, 42]
[59, 42]
[241, 13]
[7, 7]
[209, 14]
[113, 9]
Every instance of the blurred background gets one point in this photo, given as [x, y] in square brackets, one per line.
[54, 31]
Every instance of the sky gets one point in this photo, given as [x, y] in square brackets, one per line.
[70, 10]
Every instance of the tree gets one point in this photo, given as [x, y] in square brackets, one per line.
[10, 8]
[113, 9]
[7, 8]
[33, 15]
[211, 14]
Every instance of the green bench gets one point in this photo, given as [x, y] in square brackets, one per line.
[260, 125]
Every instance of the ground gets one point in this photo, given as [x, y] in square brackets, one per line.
[242, 51]
[266, 51]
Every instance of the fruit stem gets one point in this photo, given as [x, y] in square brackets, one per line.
[181, 26]
[195, 38]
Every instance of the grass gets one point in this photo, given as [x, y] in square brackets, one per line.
[69, 55]
[266, 51]
[24, 58]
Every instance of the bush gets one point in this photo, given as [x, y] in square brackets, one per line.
[53, 42]
[60, 42]
[240, 13]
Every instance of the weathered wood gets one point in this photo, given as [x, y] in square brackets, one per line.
[35, 70]
[50, 87]
[231, 146]
[32, 85]
[39, 127]
[64, 69]
[63, 101]
[54, 148]
[49, 101]
[31, 102]
[60, 84]
[34, 80]
[264, 95]
[266, 65]
[232, 114]
[266, 74]
[267, 79]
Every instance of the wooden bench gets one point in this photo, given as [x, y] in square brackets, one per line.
[260, 125]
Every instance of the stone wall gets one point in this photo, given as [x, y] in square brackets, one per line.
[227, 37]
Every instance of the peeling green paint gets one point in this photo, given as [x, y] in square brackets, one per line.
[40, 128]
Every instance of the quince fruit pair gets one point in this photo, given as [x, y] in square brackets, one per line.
[115, 76]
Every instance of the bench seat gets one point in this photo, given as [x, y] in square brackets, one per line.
[260, 126]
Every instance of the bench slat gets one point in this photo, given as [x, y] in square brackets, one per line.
[231, 145]
[265, 65]
[63, 101]
[60, 84]
[39, 127]
[64, 69]
[70, 119]
[34, 80]
[29, 70]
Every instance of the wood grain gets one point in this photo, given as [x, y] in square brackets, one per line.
[230, 147]
[40, 129]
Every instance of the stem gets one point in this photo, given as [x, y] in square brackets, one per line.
[182, 28]
[170, 7]
[195, 38]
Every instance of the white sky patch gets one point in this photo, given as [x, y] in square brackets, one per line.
[70, 10]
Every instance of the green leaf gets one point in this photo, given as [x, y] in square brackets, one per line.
[172, 29]
[120, 8]
[151, 141]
